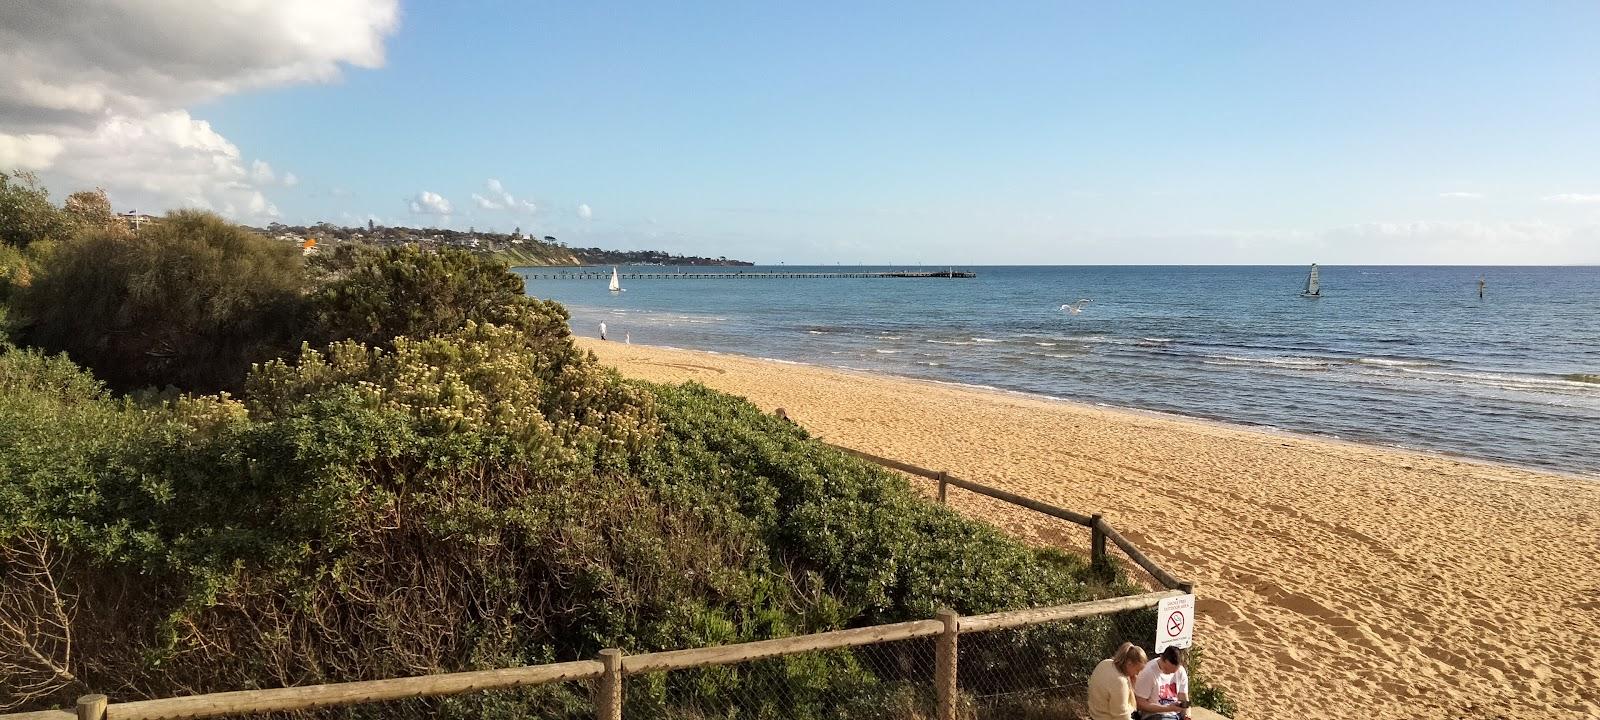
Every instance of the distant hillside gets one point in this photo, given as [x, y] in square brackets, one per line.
[515, 248]
[596, 256]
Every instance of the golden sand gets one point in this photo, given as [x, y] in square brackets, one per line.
[1336, 580]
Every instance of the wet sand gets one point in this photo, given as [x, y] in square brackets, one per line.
[1336, 580]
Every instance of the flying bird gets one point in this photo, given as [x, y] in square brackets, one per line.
[1076, 307]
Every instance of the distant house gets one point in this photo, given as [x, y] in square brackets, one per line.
[135, 219]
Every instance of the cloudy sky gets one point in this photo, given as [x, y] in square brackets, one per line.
[821, 132]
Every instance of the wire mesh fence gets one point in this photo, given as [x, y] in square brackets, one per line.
[569, 700]
[1021, 666]
[1042, 670]
[890, 680]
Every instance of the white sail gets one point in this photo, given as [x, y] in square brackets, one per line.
[1313, 284]
[616, 286]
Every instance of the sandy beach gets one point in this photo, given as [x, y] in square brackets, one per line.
[1336, 580]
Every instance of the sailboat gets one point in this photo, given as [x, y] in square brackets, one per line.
[616, 285]
[1313, 285]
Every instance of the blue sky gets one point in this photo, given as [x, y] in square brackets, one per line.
[959, 133]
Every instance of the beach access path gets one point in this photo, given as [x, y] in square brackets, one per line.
[1336, 580]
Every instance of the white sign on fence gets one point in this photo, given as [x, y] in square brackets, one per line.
[1175, 622]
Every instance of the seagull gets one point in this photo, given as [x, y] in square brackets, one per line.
[1075, 308]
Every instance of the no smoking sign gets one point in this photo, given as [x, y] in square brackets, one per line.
[1175, 622]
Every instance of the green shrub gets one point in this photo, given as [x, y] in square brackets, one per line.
[374, 295]
[26, 214]
[190, 302]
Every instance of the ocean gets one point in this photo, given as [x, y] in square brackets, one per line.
[1399, 356]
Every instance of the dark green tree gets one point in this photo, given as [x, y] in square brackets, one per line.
[374, 295]
[190, 302]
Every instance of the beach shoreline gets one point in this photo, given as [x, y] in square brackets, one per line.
[1139, 412]
[1360, 580]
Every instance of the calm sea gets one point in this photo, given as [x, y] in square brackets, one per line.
[1405, 356]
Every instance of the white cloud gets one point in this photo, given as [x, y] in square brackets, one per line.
[28, 152]
[500, 199]
[430, 203]
[261, 173]
[1462, 195]
[1575, 198]
[77, 79]
[585, 212]
[162, 161]
[289, 180]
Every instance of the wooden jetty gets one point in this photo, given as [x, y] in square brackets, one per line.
[739, 275]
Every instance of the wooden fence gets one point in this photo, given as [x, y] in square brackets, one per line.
[1100, 530]
[608, 670]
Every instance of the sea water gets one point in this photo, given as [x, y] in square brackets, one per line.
[1404, 356]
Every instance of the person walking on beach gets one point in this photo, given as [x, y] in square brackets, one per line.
[1111, 684]
[1162, 688]
[602, 331]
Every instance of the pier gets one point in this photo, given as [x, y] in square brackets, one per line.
[737, 275]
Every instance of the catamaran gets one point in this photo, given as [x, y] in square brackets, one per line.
[1313, 286]
[616, 285]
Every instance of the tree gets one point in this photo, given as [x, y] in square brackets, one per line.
[26, 214]
[191, 302]
[89, 210]
[376, 295]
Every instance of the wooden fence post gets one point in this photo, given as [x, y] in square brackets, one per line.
[608, 687]
[91, 707]
[941, 486]
[1097, 540]
[944, 666]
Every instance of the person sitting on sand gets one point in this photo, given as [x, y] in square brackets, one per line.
[1111, 684]
[1162, 688]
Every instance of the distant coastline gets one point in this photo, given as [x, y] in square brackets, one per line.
[516, 248]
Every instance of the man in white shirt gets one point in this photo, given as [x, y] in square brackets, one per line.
[1162, 689]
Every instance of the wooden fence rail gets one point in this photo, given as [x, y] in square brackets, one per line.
[1100, 529]
[608, 671]
[612, 666]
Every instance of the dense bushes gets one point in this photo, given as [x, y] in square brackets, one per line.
[372, 296]
[362, 499]
[190, 302]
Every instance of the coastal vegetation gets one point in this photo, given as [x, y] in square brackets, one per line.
[225, 466]
[514, 248]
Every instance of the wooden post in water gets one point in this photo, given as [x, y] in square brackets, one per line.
[91, 707]
[944, 666]
[608, 687]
